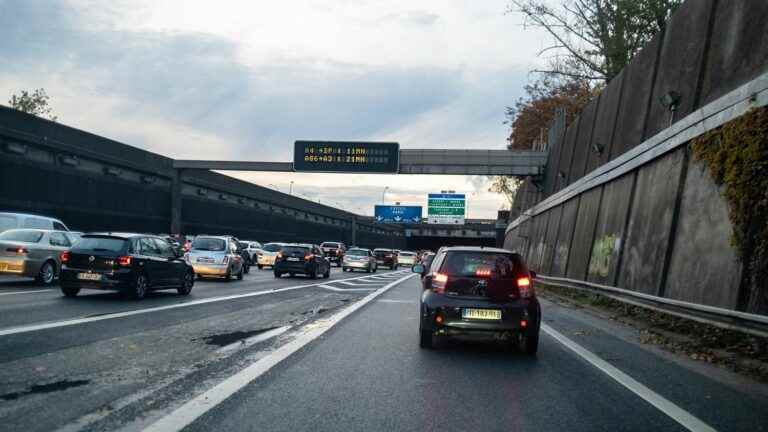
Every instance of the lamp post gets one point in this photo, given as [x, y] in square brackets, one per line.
[384, 193]
[290, 190]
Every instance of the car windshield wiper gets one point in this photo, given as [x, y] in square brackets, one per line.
[100, 250]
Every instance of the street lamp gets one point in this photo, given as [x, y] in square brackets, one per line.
[290, 190]
[383, 194]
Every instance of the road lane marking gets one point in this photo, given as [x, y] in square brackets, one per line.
[359, 284]
[396, 301]
[684, 418]
[245, 343]
[328, 287]
[25, 292]
[82, 320]
[202, 403]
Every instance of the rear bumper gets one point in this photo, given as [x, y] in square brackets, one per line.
[20, 266]
[512, 315]
[210, 269]
[356, 264]
[293, 267]
[117, 280]
[265, 260]
[385, 262]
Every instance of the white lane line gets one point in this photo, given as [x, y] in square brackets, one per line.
[76, 321]
[686, 419]
[359, 284]
[328, 287]
[245, 343]
[193, 409]
[25, 292]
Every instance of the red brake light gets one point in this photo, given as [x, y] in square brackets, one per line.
[523, 282]
[124, 261]
[483, 272]
[64, 257]
[525, 287]
[308, 257]
[440, 277]
[439, 280]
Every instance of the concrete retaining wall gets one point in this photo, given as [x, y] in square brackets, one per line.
[659, 225]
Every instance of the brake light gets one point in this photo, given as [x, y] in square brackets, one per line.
[124, 261]
[226, 259]
[64, 257]
[438, 282]
[308, 257]
[525, 287]
[483, 272]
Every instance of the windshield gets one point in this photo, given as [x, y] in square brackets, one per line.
[272, 247]
[101, 244]
[357, 252]
[293, 250]
[209, 244]
[476, 263]
[27, 236]
[7, 222]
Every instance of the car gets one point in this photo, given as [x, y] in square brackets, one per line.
[478, 292]
[131, 263]
[406, 258]
[268, 254]
[426, 262]
[216, 256]
[34, 253]
[25, 220]
[254, 249]
[298, 258]
[359, 259]
[334, 251]
[242, 250]
[386, 258]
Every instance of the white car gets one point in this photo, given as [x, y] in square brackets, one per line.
[24, 220]
[215, 256]
[254, 249]
[406, 258]
[268, 254]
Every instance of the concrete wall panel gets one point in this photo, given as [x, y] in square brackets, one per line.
[564, 237]
[609, 234]
[583, 147]
[703, 267]
[633, 109]
[550, 238]
[605, 121]
[566, 155]
[680, 63]
[581, 245]
[551, 180]
[539, 245]
[739, 48]
[650, 222]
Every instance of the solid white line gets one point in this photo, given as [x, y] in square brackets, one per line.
[25, 292]
[359, 284]
[328, 287]
[253, 340]
[193, 409]
[686, 419]
[77, 321]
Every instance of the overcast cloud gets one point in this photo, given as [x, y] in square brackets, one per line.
[237, 80]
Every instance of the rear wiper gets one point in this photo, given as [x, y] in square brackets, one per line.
[100, 250]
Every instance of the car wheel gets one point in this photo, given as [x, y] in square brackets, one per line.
[327, 274]
[47, 273]
[240, 274]
[246, 268]
[260, 266]
[529, 343]
[228, 275]
[291, 274]
[313, 275]
[140, 286]
[425, 339]
[70, 292]
[368, 270]
[278, 275]
[186, 283]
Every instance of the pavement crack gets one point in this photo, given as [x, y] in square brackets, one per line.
[45, 388]
[224, 339]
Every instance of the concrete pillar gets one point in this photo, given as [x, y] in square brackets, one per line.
[176, 227]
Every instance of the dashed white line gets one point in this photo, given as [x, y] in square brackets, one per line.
[684, 418]
[192, 410]
[359, 284]
[328, 287]
[25, 292]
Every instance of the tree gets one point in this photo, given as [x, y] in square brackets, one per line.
[506, 186]
[594, 39]
[35, 103]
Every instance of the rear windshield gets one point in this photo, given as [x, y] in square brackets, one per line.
[209, 244]
[271, 247]
[295, 249]
[499, 265]
[357, 252]
[102, 244]
[382, 251]
[330, 245]
[27, 236]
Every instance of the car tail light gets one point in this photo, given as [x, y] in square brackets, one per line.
[64, 257]
[483, 272]
[226, 259]
[439, 281]
[525, 287]
[523, 323]
[124, 261]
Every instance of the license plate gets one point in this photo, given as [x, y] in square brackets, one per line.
[205, 260]
[292, 259]
[89, 276]
[380, 262]
[481, 314]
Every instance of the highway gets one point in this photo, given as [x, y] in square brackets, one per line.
[328, 355]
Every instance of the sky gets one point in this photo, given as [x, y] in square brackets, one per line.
[242, 80]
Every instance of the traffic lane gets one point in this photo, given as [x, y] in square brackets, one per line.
[91, 378]
[720, 398]
[33, 307]
[26, 344]
[369, 373]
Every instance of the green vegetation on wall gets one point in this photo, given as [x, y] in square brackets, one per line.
[736, 155]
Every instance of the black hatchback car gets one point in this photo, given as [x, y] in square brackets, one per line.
[475, 292]
[303, 259]
[131, 263]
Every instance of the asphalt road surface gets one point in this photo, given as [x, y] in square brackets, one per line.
[334, 355]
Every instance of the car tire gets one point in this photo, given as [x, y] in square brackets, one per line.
[260, 266]
[312, 275]
[529, 343]
[240, 273]
[327, 274]
[228, 275]
[291, 274]
[368, 270]
[187, 281]
[47, 273]
[425, 339]
[70, 292]
[246, 268]
[140, 287]
[278, 275]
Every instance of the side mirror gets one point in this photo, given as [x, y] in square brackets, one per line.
[418, 268]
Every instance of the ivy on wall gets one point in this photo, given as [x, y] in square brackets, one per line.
[736, 155]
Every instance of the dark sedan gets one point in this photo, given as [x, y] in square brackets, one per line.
[302, 259]
[130, 263]
[386, 258]
[474, 292]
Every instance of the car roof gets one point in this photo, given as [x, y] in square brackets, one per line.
[220, 237]
[29, 214]
[124, 235]
[473, 249]
[299, 244]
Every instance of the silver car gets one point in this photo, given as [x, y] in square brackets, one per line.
[33, 253]
[359, 259]
[268, 254]
[215, 256]
[406, 258]
[25, 220]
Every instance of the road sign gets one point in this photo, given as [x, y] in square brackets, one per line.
[397, 214]
[446, 208]
[346, 156]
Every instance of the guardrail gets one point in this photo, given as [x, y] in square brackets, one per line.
[724, 318]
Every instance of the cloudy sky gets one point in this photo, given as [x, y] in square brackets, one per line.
[243, 80]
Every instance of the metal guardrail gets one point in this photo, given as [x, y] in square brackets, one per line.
[753, 324]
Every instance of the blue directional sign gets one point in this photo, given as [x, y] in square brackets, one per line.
[397, 214]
